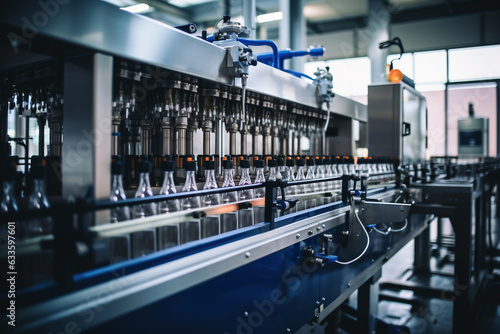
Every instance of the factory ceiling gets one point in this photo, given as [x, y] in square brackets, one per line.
[322, 16]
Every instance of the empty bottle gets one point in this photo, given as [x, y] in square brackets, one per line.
[259, 211]
[168, 236]
[190, 230]
[210, 225]
[122, 213]
[119, 246]
[301, 189]
[8, 202]
[310, 175]
[229, 221]
[37, 267]
[144, 242]
[38, 200]
[245, 216]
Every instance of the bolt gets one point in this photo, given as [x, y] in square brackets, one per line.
[317, 302]
[348, 285]
[298, 235]
[246, 314]
[318, 228]
[323, 299]
[288, 330]
[310, 232]
[323, 226]
[247, 254]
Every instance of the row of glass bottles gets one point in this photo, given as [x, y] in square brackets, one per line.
[148, 241]
[35, 267]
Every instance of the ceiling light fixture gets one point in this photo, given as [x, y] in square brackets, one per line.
[139, 8]
[270, 17]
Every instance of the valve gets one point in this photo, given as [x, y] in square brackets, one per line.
[241, 56]
[324, 85]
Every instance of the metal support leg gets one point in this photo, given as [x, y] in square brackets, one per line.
[368, 305]
[422, 253]
[461, 295]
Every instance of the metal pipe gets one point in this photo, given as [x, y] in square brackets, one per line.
[146, 136]
[207, 129]
[255, 140]
[181, 126]
[244, 139]
[27, 142]
[41, 120]
[265, 140]
[232, 142]
[115, 134]
[166, 130]
[189, 140]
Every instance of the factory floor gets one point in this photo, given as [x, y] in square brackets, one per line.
[433, 315]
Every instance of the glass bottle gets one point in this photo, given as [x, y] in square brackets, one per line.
[210, 225]
[273, 175]
[280, 168]
[119, 246]
[38, 266]
[310, 175]
[122, 213]
[229, 221]
[8, 202]
[327, 166]
[320, 174]
[259, 211]
[168, 236]
[301, 189]
[190, 230]
[144, 242]
[245, 216]
[38, 200]
[290, 164]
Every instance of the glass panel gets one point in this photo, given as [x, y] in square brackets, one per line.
[414, 137]
[435, 120]
[484, 99]
[430, 67]
[474, 63]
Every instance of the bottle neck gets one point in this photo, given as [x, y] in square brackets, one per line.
[168, 186]
[190, 184]
[117, 182]
[144, 180]
[38, 194]
[210, 180]
[310, 173]
[245, 177]
[259, 175]
[300, 174]
[228, 178]
[286, 173]
[272, 174]
[39, 185]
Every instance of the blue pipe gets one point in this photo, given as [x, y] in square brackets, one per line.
[266, 58]
[276, 56]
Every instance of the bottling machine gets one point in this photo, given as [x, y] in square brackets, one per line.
[155, 180]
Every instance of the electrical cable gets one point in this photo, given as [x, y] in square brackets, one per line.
[402, 228]
[367, 244]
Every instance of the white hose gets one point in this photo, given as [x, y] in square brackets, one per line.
[367, 243]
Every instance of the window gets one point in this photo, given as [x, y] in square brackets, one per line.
[478, 63]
